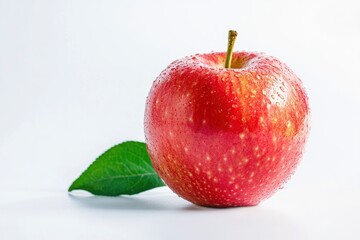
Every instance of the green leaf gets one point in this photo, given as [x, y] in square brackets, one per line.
[123, 169]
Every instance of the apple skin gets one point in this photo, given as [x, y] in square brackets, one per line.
[226, 137]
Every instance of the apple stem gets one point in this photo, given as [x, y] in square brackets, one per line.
[231, 42]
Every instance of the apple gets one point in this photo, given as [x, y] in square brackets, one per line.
[226, 129]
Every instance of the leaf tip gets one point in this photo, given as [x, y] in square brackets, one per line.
[71, 187]
[74, 186]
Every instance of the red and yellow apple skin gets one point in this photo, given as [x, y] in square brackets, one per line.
[225, 137]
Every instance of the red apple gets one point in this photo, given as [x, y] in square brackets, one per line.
[223, 137]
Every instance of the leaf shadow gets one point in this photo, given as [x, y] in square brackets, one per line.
[135, 202]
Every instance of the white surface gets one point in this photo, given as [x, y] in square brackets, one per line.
[159, 214]
[74, 76]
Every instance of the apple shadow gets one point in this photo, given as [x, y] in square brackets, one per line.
[198, 208]
[260, 222]
[255, 222]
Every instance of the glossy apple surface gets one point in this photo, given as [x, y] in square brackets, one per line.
[223, 137]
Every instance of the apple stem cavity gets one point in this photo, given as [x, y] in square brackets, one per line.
[231, 42]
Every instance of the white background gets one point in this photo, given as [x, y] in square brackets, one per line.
[74, 76]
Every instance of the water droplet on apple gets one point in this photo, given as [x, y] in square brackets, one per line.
[280, 95]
